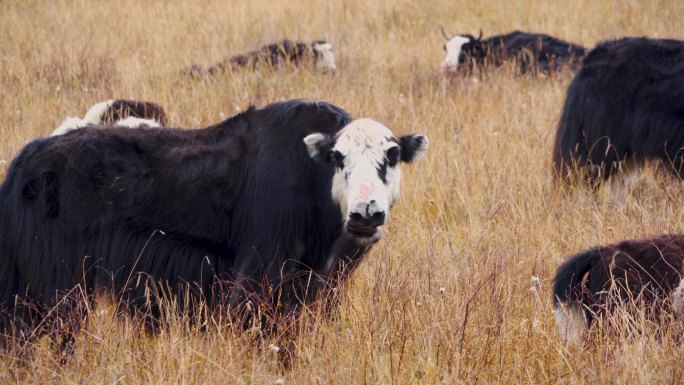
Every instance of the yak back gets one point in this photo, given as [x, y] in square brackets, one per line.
[105, 207]
[534, 49]
[627, 95]
[643, 271]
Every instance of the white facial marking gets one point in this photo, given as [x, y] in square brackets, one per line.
[357, 187]
[453, 50]
[365, 186]
[571, 322]
[325, 59]
[678, 299]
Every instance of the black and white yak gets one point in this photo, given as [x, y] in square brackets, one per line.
[319, 53]
[531, 52]
[643, 272]
[276, 204]
[625, 106]
[120, 112]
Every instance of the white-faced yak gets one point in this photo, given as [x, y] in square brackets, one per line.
[531, 52]
[276, 205]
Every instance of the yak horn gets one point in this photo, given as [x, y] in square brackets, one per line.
[444, 33]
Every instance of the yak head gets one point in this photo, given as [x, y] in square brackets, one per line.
[461, 52]
[366, 156]
[324, 56]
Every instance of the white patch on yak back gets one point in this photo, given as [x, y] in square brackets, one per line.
[69, 124]
[93, 116]
[96, 112]
[453, 51]
[133, 122]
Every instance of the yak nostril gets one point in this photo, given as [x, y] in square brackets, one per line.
[356, 217]
[378, 218]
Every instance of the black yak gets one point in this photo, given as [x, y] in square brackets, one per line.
[319, 53]
[624, 106]
[276, 203]
[644, 271]
[532, 52]
[120, 112]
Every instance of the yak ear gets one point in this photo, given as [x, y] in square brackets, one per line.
[413, 147]
[318, 144]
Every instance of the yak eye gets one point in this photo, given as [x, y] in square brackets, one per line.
[392, 156]
[336, 158]
[444, 46]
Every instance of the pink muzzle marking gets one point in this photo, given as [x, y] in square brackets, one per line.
[366, 190]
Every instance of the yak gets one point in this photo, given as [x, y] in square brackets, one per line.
[274, 55]
[532, 52]
[592, 282]
[278, 204]
[120, 112]
[624, 106]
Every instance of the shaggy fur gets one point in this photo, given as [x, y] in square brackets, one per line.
[532, 52]
[121, 109]
[229, 212]
[625, 104]
[591, 282]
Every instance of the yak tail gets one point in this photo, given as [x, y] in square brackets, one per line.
[571, 318]
[567, 286]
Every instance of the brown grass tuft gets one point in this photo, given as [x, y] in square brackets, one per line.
[447, 296]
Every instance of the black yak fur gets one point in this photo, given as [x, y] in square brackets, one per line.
[271, 56]
[643, 271]
[625, 104]
[233, 212]
[532, 53]
[123, 108]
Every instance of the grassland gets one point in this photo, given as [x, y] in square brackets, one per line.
[447, 296]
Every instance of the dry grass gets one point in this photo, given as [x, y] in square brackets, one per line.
[447, 296]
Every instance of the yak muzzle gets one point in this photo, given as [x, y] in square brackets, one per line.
[365, 225]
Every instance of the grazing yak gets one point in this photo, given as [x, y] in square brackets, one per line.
[121, 112]
[624, 106]
[320, 53]
[275, 205]
[644, 272]
[532, 52]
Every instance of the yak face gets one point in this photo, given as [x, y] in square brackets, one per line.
[461, 50]
[324, 56]
[365, 186]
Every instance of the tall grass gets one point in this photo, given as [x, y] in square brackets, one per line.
[447, 296]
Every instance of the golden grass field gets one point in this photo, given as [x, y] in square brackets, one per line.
[447, 296]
